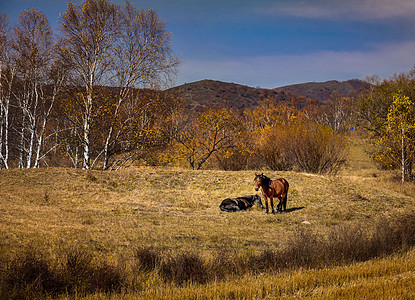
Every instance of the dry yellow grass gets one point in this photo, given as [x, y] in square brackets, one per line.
[178, 208]
[391, 278]
[113, 213]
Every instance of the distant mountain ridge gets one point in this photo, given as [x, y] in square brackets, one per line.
[323, 90]
[207, 92]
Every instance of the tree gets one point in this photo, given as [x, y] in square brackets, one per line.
[270, 113]
[238, 156]
[336, 113]
[7, 74]
[146, 123]
[211, 131]
[399, 134]
[33, 46]
[68, 117]
[56, 78]
[88, 33]
[142, 56]
[371, 106]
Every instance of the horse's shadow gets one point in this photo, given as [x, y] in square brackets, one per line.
[288, 210]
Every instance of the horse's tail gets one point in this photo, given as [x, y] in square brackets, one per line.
[286, 187]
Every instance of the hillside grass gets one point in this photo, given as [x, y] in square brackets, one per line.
[109, 216]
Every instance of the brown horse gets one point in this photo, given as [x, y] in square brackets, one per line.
[273, 189]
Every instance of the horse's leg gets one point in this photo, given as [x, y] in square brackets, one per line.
[266, 204]
[271, 199]
[279, 204]
[285, 202]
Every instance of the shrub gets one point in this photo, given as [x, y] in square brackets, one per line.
[304, 146]
[303, 250]
[147, 258]
[29, 275]
[316, 148]
[80, 273]
[273, 148]
[346, 244]
[403, 229]
[234, 159]
[184, 267]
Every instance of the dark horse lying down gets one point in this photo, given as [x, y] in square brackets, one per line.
[240, 203]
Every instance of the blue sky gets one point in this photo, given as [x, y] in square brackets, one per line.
[271, 43]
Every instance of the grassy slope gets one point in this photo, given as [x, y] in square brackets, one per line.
[113, 213]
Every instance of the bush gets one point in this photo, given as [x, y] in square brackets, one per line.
[316, 148]
[303, 146]
[273, 148]
[80, 273]
[147, 258]
[29, 275]
[232, 159]
[184, 267]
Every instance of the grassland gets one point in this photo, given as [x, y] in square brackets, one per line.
[110, 216]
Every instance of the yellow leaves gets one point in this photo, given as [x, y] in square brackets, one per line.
[396, 141]
[400, 114]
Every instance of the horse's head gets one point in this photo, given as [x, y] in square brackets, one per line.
[258, 181]
[257, 201]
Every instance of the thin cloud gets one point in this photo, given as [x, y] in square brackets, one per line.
[280, 70]
[337, 9]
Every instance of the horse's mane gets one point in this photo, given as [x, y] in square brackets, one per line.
[266, 180]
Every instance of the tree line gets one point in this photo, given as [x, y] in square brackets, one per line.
[90, 96]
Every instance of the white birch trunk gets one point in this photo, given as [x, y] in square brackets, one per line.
[43, 129]
[32, 126]
[5, 105]
[106, 149]
[22, 146]
[30, 150]
[403, 158]
[40, 143]
[87, 128]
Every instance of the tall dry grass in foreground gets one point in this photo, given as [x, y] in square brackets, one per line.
[290, 271]
[148, 232]
[388, 278]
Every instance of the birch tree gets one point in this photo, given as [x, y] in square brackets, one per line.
[57, 76]
[387, 110]
[33, 45]
[398, 139]
[89, 32]
[7, 72]
[142, 58]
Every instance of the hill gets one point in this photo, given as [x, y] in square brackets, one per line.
[204, 93]
[323, 90]
[217, 93]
